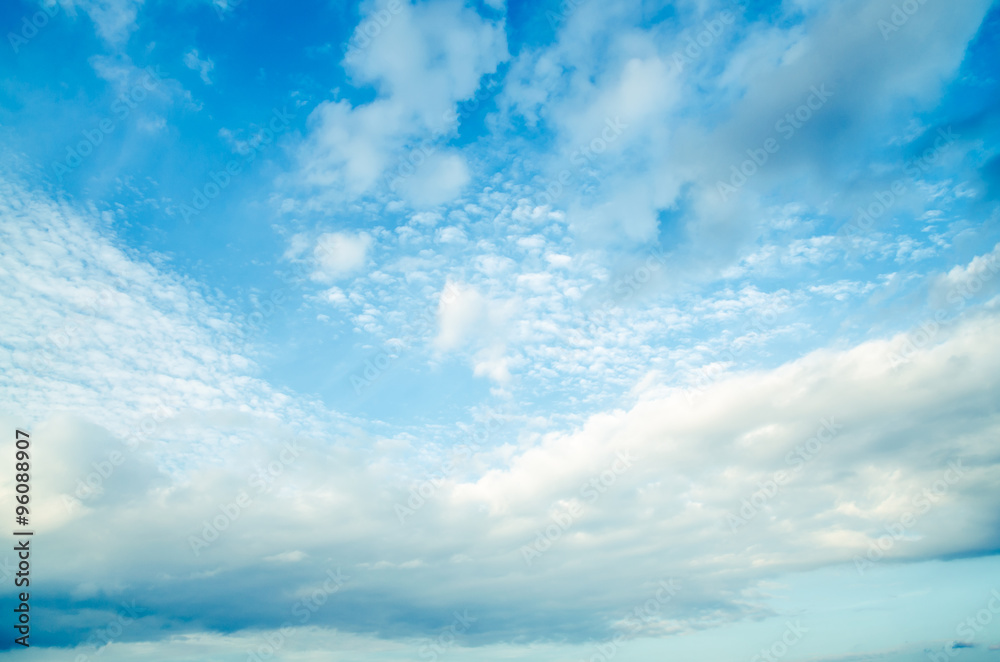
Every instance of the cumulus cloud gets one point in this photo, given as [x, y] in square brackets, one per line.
[962, 283]
[337, 254]
[725, 97]
[425, 59]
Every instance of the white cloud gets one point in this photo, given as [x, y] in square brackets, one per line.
[451, 235]
[688, 127]
[203, 66]
[287, 557]
[298, 244]
[843, 290]
[114, 20]
[462, 311]
[102, 319]
[150, 84]
[339, 253]
[428, 57]
[438, 180]
[976, 279]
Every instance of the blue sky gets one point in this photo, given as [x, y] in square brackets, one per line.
[516, 311]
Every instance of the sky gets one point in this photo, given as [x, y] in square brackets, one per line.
[492, 330]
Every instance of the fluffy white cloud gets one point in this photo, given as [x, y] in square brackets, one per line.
[337, 254]
[427, 57]
[693, 112]
[966, 282]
